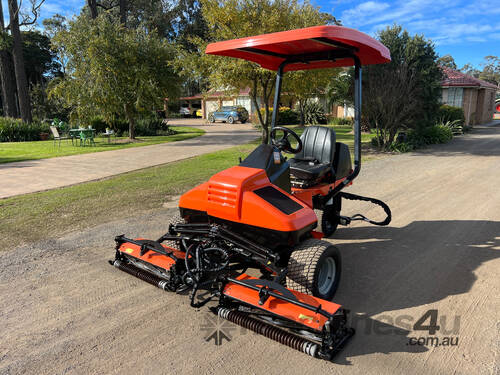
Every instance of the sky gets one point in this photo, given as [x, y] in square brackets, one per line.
[468, 30]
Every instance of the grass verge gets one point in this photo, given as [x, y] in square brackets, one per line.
[19, 151]
[32, 217]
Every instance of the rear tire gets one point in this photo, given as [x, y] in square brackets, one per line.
[329, 218]
[211, 119]
[314, 268]
[230, 120]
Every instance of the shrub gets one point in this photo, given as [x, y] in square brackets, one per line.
[448, 113]
[120, 126]
[456, 126]
[15, 130]
[150, 126]
[429, 135]
[286, 116]
[314, 113]
[144, 127]
[99, 124]
[340, 121]
[436, 134]
[401, 147]
[414, 139]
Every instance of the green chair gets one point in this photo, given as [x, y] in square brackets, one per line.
[87, 135]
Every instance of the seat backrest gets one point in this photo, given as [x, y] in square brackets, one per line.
[318, 143]
[54, 131]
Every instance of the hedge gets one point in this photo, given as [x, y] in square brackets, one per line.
[15, 130]
[448, 113]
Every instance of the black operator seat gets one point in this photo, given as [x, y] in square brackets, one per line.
[317, 155]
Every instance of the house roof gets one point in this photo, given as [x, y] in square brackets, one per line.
[455, 78]
[215, 94]
[309, 48]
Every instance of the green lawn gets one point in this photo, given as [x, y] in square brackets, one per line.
[36, 216]
[18, 151]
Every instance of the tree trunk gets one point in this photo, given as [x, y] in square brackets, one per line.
[8, 85]
[7, 78]
[253, 95]
[123, 12]
[131, 120]
[17, 54]
[93, 8]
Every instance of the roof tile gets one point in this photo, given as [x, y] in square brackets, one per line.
[455, 78]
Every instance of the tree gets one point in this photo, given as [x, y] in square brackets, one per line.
[404, 93]
[7, 72]
[40, 60]
[491, 70]
[340, 89]
[448, 61]
[230, 19]
[114, 71]
[302, 85]
[108, 5]
[17, 55]
[57, 24]
[470, 70]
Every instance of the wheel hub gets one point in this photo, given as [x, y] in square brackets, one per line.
[326, 276]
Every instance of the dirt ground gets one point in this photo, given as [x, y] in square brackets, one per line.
[65, 310]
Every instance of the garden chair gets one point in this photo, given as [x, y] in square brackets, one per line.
[57, 136]
[87, 135]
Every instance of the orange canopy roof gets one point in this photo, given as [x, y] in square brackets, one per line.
[317, 45]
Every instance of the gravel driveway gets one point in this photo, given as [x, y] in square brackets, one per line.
[65, 310]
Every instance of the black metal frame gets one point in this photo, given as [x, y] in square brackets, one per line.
[248, 249]
[342, 52]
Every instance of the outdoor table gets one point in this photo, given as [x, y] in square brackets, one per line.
[81, 134]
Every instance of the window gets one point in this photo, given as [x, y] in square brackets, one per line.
[454, 97]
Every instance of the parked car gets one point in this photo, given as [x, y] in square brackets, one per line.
[189, 109]
[229, 114]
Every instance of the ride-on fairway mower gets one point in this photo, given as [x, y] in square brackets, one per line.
[260, 214]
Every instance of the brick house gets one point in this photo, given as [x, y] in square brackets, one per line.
[475, 96]
[213, 100]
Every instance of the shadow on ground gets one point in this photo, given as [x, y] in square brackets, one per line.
[388, 268]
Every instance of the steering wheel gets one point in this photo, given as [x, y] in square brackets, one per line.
[283, 144]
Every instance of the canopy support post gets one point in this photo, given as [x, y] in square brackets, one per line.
[357, 118]
[277, 92]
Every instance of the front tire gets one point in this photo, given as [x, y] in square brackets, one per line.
[176, 219]
[211, 119]
[314, 268]
[230, 120]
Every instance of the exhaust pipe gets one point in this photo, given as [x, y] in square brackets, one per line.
[141, 274]
[269, 331]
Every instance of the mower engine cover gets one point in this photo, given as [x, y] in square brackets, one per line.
[246, 200]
